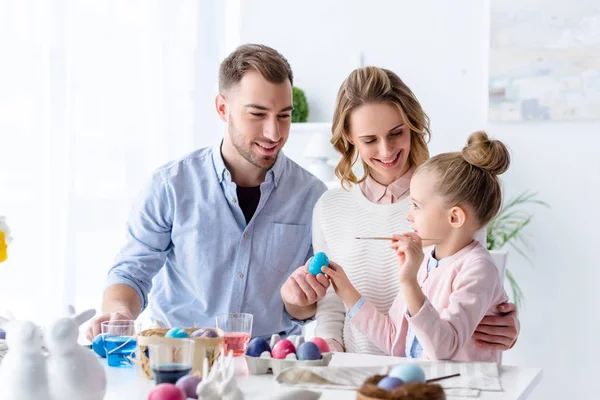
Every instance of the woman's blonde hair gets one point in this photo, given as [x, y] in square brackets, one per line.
[471, 176]
[376, 85]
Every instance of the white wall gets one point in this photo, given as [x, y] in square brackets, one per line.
[440, 49]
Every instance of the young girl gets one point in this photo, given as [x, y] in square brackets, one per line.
[445, 292]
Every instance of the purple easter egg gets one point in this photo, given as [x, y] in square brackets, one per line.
[257, 346]
[2, 334]
[389, 383]
[308, 351]
[207, 333]
[189, 384]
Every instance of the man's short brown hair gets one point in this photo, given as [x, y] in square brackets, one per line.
[257, 57]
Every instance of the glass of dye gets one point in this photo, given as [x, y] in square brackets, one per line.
[237, 329]
[119, 342]
[170, 361]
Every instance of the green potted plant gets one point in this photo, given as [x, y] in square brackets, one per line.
[300, 113]
[507, 229]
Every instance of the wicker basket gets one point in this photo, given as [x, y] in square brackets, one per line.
[209, 348]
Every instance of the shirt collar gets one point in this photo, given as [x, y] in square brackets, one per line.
[398, 189]
[433, 263]
[273, 174]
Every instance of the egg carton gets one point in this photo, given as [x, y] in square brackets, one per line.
[266, 364]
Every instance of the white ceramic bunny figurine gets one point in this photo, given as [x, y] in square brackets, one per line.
[23, 372]
[207, 388]
[228, 388]
[74, 372]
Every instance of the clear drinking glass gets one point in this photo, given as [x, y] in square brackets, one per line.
[119, 340]
[171, 361]
[238, 331]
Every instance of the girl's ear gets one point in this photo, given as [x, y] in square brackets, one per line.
[457, 216]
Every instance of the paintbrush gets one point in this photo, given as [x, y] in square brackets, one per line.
[391, 238]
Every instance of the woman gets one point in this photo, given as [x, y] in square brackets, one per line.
[378, 119]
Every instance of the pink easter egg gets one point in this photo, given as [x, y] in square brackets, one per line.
[166, 391]
[282, 349]
[322, 344]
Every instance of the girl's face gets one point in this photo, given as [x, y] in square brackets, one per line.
[382, 140]
[429, 215]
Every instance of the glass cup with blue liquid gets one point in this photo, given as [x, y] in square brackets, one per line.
[119, 338]
[171, 360]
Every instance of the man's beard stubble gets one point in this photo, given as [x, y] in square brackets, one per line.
[259, 161]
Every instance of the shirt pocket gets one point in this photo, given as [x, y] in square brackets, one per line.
[288, 246]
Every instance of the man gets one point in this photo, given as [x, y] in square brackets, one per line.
[223, 228]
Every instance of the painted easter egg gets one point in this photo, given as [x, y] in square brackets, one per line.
[166, 391]
[323, 345]
[257, 346]
[177, 333]
[189, 384]
[318, 261]
[282, 349]
[98, 346]
[207, 333]
[389, 383]
[2, 334]
[409, 373]
[308, 351]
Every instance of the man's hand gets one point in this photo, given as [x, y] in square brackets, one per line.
[94, 327]
[498, 332]
[301, 291]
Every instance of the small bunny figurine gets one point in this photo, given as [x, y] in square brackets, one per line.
[228, 388]
[23, 372]
[74, 372]
[207, 388]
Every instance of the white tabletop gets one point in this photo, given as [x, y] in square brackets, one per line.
[128, 383]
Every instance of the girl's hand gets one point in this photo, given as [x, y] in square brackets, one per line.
[341, 284]
[410, 253]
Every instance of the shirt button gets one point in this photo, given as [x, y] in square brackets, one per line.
[246, 235]
[240, 275]
[233, 201]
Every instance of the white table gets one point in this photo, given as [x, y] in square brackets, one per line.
[129, 384]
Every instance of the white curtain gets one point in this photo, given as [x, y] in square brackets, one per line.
[94, 95]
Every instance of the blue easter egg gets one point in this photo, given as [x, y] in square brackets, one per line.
[390, 383]
[257, 346]
[2, 334]
[308, 351]
[177, 333]
[409, 373]
[318, 261]
[98, 346]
